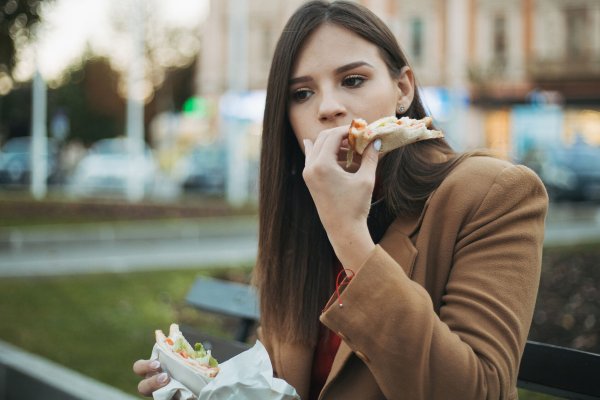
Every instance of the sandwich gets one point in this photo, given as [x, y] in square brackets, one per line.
[175, 350]
[393, 132]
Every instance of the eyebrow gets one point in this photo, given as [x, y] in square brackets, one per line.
[338, 70]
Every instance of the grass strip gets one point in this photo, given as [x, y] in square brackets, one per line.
[20, 210]
[100, 324]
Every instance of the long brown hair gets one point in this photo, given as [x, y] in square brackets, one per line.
[294, 271]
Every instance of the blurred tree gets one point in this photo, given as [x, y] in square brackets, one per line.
[15, 112]
[177, 87]
[93, 93]
[17, 20]
[90, 99]
[168, 47]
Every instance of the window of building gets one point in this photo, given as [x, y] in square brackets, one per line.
[266, 44]
[576, 32]
[416, 45]
[499, 38]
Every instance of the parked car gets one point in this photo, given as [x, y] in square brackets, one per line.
[15, 161]
[203, 170]
[571, 174]
[108, 168]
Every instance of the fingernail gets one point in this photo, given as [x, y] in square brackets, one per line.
[377, 145]
[155, 364]
[162, 378]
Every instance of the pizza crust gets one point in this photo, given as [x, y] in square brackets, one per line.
[393, 132]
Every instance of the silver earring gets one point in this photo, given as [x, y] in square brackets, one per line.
[401, 109]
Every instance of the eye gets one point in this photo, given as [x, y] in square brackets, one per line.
[302, 94]
[353, 81]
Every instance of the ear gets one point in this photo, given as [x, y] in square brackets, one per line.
[406, 87]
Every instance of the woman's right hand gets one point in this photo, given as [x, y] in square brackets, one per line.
[342, 198]
[153, 376]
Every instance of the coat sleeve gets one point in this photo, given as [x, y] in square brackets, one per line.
[472, 348]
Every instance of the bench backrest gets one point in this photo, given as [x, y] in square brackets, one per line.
[560, 371]
[227, 298]
[224, 297]
[545, 368]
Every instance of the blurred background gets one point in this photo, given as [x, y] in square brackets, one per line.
[130, 138]
[177, 84]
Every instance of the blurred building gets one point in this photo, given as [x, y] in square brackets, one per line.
[499, 50]
[265, 20]
[514, 76]
[543, 45]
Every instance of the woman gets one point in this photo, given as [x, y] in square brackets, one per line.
[440, 251]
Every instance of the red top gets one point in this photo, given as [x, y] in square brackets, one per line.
[325, 352]
[327, 347]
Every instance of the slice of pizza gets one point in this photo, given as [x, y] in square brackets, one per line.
[393, 132]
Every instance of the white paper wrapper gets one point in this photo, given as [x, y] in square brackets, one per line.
[174, 390]
[249, 376]
[186, 375]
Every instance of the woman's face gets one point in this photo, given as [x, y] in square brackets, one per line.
[339, 76]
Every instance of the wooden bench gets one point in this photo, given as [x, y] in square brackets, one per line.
[227, 299]
[545, 368]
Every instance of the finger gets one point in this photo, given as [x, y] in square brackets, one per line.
[308, 146]
[151, 374]
[145, 367]
[149, 385]
[370, 157]
[332, 143]
[327, 135]
[329, 151]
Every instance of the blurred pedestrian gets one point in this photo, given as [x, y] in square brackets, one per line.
[437, 254]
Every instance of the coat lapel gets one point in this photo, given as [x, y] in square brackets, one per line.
[399, 246]
[343, 354]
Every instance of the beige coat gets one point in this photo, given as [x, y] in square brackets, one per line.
[442, 307]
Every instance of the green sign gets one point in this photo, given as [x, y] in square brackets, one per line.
[196, 106]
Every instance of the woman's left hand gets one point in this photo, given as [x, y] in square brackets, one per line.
[342, 198]
[153, 377]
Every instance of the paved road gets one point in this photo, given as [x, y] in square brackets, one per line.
[57, 250]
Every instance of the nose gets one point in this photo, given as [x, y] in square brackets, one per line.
[330, 108]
